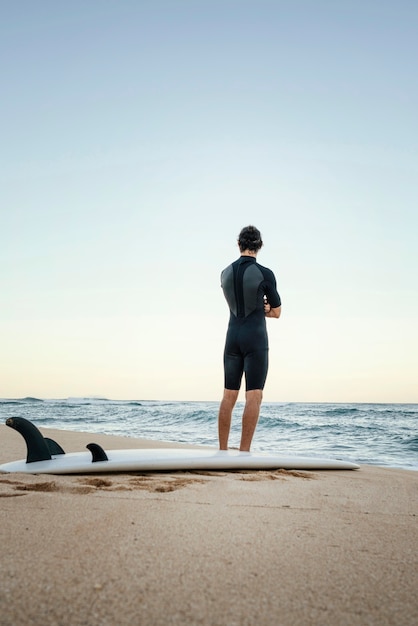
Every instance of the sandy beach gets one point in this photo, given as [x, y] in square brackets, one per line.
[212, 548]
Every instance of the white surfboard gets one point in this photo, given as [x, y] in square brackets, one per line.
[47, 457]
[157, 459]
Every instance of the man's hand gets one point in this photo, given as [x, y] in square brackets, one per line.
[269, 311]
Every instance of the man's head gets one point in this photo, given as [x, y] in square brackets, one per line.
[250, 239]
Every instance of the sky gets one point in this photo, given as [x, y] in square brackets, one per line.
[139, 136]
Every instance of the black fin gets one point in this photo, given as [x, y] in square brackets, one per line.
[37, 447]
[53, 446]
[97, 452]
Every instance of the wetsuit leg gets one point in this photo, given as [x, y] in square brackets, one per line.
[255, 368]
[233, 369]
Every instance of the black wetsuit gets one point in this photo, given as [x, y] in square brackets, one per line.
[245, 283]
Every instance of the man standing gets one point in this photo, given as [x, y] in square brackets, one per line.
[251, 294]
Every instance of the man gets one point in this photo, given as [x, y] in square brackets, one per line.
[251, 294]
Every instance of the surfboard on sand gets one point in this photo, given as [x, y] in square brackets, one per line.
[45, 456]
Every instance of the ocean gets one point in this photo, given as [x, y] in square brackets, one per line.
[376, 434]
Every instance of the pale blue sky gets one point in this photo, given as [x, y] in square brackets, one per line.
[138, 137]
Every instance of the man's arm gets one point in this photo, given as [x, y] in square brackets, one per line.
[271, 296]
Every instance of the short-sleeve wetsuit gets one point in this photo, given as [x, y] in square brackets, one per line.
[245, 283]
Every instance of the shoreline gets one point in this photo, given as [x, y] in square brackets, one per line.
[211, 548]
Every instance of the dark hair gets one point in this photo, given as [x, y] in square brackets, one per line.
[250, 239]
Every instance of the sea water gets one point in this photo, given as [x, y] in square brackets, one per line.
[377, 434]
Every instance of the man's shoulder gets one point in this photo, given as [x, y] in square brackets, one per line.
[227, 274]
[231, 266]
[267, 272]
[227, 268]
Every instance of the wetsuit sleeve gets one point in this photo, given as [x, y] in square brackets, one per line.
[272, 294]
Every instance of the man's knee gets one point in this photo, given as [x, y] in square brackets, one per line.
[230, 396]
[254, 395]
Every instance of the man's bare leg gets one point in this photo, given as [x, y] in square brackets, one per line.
[253, 400]
[225, 416]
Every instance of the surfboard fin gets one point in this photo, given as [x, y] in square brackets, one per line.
[97, 452]
[38, 447]
[53, 446]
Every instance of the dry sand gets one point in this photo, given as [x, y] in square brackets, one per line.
[213, 548]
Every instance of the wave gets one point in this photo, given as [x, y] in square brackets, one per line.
[86, 400]
[30, 399]
[412, 443]
[92, 400]
[343, 410]
[26, 400]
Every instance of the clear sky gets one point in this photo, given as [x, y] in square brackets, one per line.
[139, 136]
